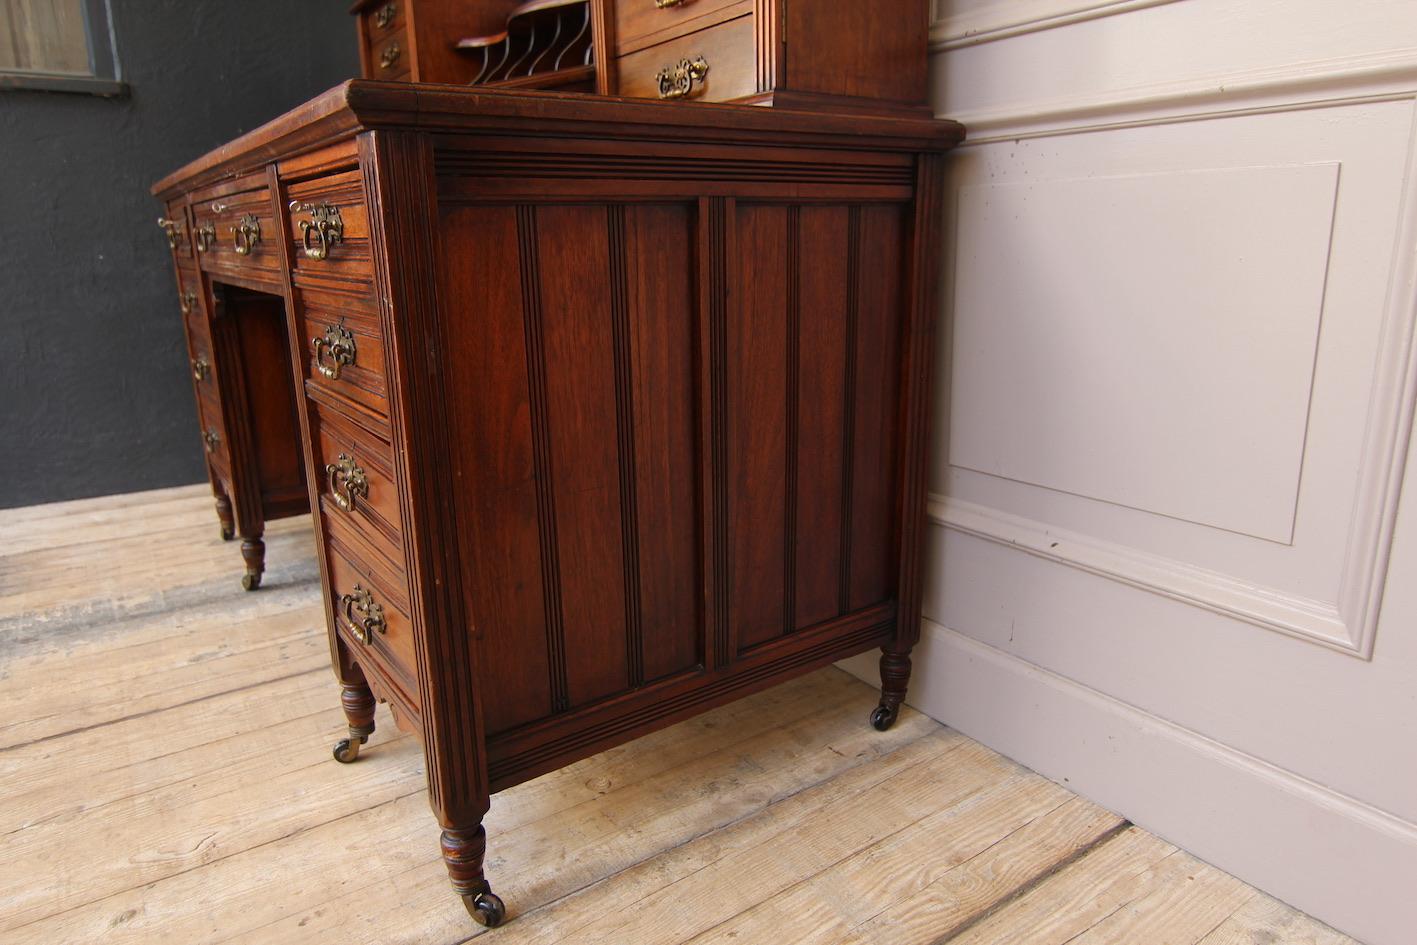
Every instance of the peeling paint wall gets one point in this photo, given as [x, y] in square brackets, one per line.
[94, 394]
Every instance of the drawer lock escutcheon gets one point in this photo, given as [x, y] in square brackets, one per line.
[324, 229]
[365, 617]
[347, 481]
[678, 80]
[334, 351]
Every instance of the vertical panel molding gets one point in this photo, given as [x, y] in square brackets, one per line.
[541, 447]
[715, 249]
[625, 434]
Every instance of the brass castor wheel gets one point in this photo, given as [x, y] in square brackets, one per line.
[486, 908]
[227, 534]
[347, 749]
[884, 717]
[251, 580]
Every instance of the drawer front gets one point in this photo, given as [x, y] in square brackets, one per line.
[344, 350]
[370, 610]
[356, 476]
[177, 230]
[238, 232]
[330, 227]
[389, 56]
[383, 20]
[641, 23]
[727, 49]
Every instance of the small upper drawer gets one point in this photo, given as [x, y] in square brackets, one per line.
[344, 349]
[641, 23]
[329, 225]
[355, 469]
[370, 609]
[383, 19]
[388, 55]
[713, 65]
[237, 231]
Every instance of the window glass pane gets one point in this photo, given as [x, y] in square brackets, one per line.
[44, 36]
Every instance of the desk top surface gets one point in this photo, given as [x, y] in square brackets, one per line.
[359, 105]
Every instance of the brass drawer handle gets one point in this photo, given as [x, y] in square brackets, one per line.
[173, 229]
[246, 233]
[666, 4]
[334, 351]
[200, 368]
[347, 481]
[324, 229]
[365, 617]
[211, 440]
[386, 15]
[205, 237]
[188, 301]
[677, 81]
[390, 55]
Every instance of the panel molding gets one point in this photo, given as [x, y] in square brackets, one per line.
[1313, 83]
[1348, 624]
[1003, 20]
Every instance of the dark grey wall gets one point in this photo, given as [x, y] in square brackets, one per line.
[94, 395]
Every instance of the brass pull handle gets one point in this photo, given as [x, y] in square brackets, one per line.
[386, 15]
[200, 368]
[666, 4]
[334, 351]
[677, 81]
[365, 617]
[173, 229]
[188, 301]
[324, 229]
[210, 439]
[390, 55]
[246, 233]
[205, 237]
[347, 481]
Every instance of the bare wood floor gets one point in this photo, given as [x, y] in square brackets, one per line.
[165, 776]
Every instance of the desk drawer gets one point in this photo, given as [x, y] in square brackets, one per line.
[727, 49]
[177, 230]
[237, 231]
[641, 23]
[344, 350]
[370, 607]
[330, 227]
[356, 480]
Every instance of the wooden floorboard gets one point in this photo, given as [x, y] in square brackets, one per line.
[165, 777]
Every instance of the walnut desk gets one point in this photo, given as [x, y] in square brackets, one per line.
[611, 410]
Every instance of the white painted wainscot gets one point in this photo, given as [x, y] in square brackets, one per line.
[1169, 563]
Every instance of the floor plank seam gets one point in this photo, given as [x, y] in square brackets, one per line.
[154, 711]
[1031, 883]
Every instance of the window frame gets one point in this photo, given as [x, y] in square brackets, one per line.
[105, 75]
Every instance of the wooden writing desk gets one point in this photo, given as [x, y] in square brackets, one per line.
[611, 411]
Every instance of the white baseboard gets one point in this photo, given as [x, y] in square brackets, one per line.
[1342, 861]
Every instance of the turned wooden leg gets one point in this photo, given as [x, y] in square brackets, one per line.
[358, 704]
[253, 552]
[895, 677]
[463, 851]
[224, 514]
